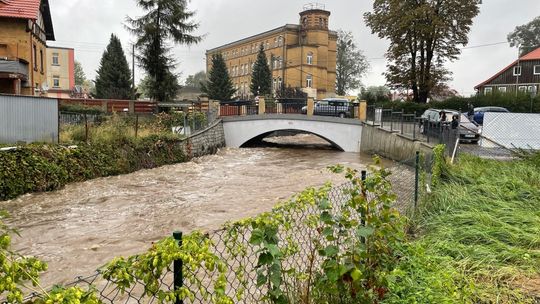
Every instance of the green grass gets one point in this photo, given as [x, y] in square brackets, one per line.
[485, 220]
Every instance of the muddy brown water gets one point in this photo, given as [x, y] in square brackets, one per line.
[83, 226]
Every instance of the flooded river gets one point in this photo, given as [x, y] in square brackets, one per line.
[81, 227]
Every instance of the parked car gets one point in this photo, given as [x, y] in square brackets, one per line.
[433, 123]
[478, 115]
[332, 107]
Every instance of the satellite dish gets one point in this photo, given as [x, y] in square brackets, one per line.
[44, 87]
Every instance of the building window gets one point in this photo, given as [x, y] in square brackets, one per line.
[41, 60]
[280, 41]
[34, 54]
[522, 89]
[267, 45]
[488, 90]
[517, 70]
[56, 81]
[279, 83]
[275, 42]
[310, 58]
[274, 85]
[537, 70]
[502, 89]
[309, 81]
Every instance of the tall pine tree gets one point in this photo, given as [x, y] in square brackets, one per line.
[261, 77]
[165, 20]
[113, 80]
[219, 85]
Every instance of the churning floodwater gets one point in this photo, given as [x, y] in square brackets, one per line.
[83, 226]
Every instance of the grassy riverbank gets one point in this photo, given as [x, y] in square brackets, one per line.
[483, 224]
[42, 167]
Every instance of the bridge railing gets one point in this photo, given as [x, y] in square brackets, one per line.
[286, 106]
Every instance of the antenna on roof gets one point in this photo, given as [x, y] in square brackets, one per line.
[314, 6]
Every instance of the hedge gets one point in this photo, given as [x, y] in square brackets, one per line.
[44, 167]
[518, 104]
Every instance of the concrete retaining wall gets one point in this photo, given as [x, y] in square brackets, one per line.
[205, 142]
[391, 145]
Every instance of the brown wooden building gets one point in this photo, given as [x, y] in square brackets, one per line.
[522, 75]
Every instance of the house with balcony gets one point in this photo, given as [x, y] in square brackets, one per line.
[522, 75]
[26, 26]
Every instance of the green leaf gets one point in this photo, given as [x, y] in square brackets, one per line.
[265, 259]
[365, 231]
[261, 278]
[326, 217]
[274, 250]
[331, 251]
[356, 275]
[257, 237]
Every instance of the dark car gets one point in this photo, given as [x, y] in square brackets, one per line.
[432, 124]
[478, 115]
[332, 107]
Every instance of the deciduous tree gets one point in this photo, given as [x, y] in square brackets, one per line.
[219, 85]
[80, 77]
[424, 35]
[351, 64]
[196, 80]
[261, 76]
[526, 37]
[113, 80]
[164, 21]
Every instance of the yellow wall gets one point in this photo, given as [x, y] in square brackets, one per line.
[293, 53]
[61, 70]
[17, 44]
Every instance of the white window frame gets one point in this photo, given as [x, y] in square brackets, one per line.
[309, 58]
[309, 81]
[522, 88]
[488, 90]
[517, 70]
[56, 81]
[502, 89]
[275, 42]
[536, 70]
[280, 41]
[55, 59]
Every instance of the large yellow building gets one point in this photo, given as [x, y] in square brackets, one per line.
[25, 27]
[302, 56]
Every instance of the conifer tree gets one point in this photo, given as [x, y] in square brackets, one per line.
[165, 21]
[219, 85]
[261, 77]
[113, 80]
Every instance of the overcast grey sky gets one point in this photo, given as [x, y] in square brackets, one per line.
[86, 25]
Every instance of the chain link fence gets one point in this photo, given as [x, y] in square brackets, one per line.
[299, 238]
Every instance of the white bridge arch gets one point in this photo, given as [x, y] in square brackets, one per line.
[344, 134]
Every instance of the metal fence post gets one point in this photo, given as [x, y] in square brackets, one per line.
[136, 125]
[177, 268]
[85, 128]
[416, 179]
[402, 113]
[363, 215]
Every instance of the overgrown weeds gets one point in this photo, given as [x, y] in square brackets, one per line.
[485, 220]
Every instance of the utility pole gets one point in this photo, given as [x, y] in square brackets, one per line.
[133, 66]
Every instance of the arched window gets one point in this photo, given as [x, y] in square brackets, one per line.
[310, 58]
[280, 41]
[309, 81]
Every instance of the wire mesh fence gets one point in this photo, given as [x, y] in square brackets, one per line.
[299, 239]
[83, 127]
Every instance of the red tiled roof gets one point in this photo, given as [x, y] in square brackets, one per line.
[24, 9]
[534, 55]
